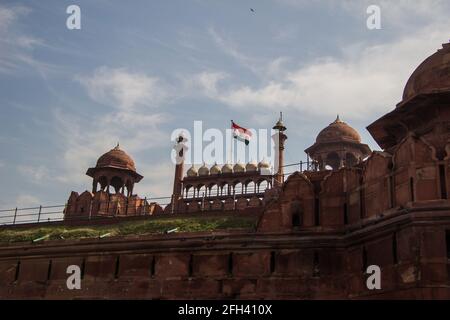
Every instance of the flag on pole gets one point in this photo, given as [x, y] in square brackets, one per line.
[241, 133]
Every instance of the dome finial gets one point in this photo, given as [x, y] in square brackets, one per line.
[337, 119]
[279, 125]
[117, 147]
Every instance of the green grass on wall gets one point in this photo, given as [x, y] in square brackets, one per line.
[142, 227]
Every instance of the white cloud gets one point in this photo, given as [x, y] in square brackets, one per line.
[205, 82]
[230, 48]
[84, 143]
[36, 174]
[118, 87]
[366, 81]
[403, 13]
[16, 48]
[8, 15]
[396, 16]
[132, 120]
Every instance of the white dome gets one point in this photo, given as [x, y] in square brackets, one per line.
[215, 169]
[263, 164]
[227, 168]
[251, 166]
[203, 171]
[192, 172]
[239, 167]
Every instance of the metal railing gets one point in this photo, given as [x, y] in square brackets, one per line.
[56, 213]
[304, 166]
[105, 209]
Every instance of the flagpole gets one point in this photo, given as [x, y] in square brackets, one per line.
[230, 155]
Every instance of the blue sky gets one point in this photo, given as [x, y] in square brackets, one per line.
[137, 70]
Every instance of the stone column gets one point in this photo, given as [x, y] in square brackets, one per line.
[279, 126]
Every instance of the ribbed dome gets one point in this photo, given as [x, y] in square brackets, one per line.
[215, 169]
[432, 75]
[239, 167]
[338, 131]
[227, 168]
[203, 171]
[251, 166]
[116, 158]
[192, 172]
[263, 164]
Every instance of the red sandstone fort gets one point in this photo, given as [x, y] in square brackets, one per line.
[316, 232]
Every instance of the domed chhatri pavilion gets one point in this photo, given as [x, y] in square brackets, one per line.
[316, 230]
[338, 145]
[114, 169]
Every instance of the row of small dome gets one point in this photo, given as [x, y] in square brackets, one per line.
[227, 168]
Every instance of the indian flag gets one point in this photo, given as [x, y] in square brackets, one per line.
[240, 133]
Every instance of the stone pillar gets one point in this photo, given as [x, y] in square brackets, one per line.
[179, 170]
[279, 126]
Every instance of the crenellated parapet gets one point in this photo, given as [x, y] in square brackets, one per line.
[90, 205]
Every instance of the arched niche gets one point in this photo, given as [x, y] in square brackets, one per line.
[350, 160]
[250, 186]
[201, 191]
[188, 191]
[333, 160]
[224, 189]
[213, 190]
[377, 189]
[117, 183]
[417, 174]
[297, 213]
[298, 190]
[337, 204]
[262, 185]
[103, 182]
[238, 187]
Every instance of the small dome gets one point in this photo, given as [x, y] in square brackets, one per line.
[192, 172]
[203, 171]
[263, 164]
[227, 168]
[239, 167]
[251, 166]
[215, 169]
[116, 158]
[432, 75]
[338, 131]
